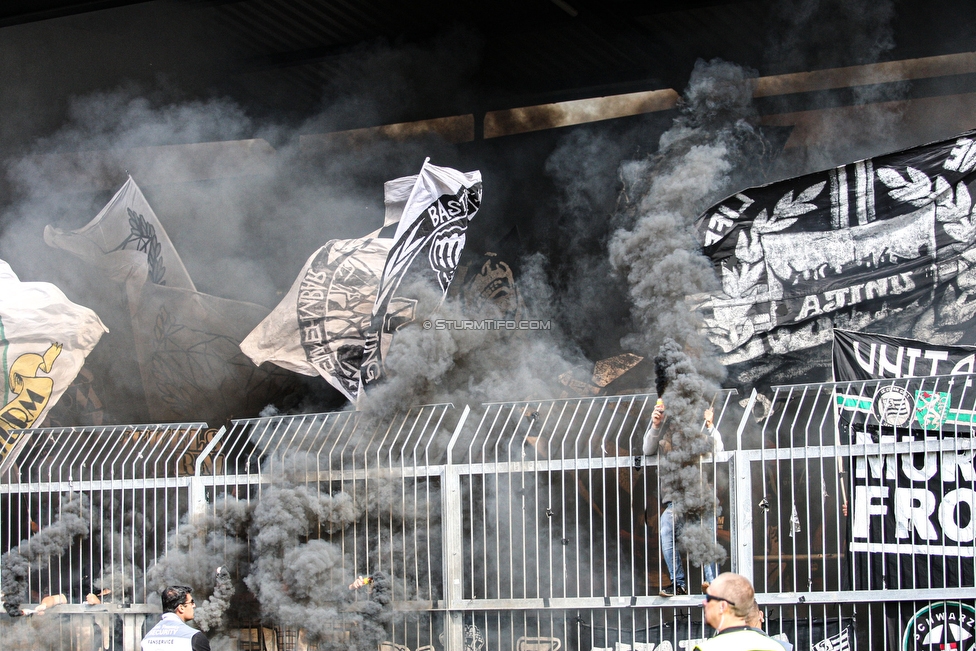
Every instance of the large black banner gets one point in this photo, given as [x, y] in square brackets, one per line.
[886, 242]
[864, 356]
[912, 521]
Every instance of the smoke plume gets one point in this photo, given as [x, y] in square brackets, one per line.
[305, 584]
[201, 554]
[464, 365]
[211, 613]
[73, 520]
[699, 158]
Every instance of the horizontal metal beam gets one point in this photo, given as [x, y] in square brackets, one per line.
[859, 450]
[689, 601]
[89, 486]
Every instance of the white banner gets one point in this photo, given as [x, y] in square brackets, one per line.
[44, 340]
[126, 240]
[318, 327]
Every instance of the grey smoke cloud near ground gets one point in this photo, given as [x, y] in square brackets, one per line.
[305, 584]
[201, 555]
[286, 549]
[211, 613]
[30, 633]
[73, 520]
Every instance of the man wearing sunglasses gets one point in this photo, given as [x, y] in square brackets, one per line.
[727, 604]
[172, 632]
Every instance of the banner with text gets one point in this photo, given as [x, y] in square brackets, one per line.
[886, 242]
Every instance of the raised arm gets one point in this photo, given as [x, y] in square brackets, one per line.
[717, 445]
[652, 437]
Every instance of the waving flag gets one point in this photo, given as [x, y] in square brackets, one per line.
[886, 242]
[44, 340]
[318, 327]
[426, 250]
[192, 367]
[128, 242]
[187, 343]
[331, 321]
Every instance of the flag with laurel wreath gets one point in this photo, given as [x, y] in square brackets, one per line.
[127, 240]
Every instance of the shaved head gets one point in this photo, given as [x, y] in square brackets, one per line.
[735, 601]
[738, 590]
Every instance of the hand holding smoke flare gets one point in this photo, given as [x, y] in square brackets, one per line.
[360, 582]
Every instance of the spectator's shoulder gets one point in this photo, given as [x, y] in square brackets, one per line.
[199, 642]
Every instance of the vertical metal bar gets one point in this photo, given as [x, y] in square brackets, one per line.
[740, 487]
[746, 415]
[453, 547]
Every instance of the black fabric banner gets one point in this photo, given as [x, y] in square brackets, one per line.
[863, 356]
[886, 242]
[912, 514]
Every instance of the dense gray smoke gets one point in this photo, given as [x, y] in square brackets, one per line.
[699, 158]
[31, 633]
[212, 612]
[125, 533]
[682, 480]
[697, 162]
[200, 555]
[305, 584]
[429, 365]
[298, 569]
[73, 520]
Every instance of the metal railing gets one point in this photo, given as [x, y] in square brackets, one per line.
[528, 526]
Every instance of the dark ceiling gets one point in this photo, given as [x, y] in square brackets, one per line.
[285, 57]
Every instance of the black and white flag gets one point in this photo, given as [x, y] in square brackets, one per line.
[839, 642]
[319, 326]
[886, 241]
[426, 250]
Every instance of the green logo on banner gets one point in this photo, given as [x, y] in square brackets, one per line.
[931, 408]
[941, 625]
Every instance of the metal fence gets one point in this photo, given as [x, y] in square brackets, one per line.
[528, 526]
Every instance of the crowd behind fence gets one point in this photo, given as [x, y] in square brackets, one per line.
[522, 526]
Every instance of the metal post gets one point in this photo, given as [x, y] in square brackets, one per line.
[198, 492]
[453, 544]
[740, 486]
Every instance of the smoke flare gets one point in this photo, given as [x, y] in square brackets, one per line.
[663, 265]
